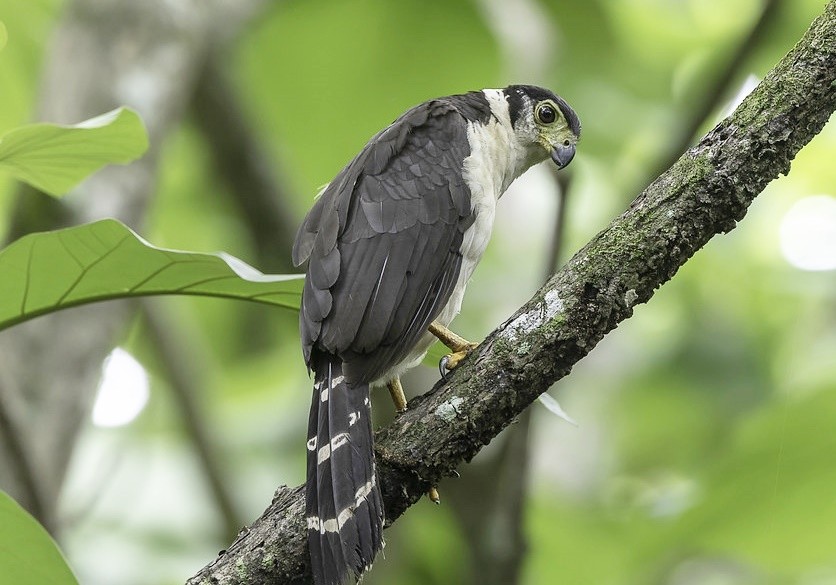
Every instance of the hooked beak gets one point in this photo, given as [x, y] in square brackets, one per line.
[562, 155]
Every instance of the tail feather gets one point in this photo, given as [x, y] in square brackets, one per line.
[343, 504]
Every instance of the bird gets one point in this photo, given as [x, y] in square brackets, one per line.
[390, 244]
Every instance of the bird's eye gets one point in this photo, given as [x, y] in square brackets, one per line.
[546, 113]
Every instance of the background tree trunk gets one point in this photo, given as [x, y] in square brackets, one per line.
[103, 54]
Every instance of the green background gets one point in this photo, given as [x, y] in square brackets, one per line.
[705, 445]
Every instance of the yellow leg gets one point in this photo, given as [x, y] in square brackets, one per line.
[450, 339]
[460, 346]
[396, 392]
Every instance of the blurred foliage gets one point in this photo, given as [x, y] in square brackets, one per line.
[705, 448]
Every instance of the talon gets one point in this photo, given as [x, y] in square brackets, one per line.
[442, 367]
[451, 361]
[432, 494]
[455, 358]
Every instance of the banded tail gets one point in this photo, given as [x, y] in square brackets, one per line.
[343, 505]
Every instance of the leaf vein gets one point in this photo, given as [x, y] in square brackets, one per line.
[156, 272]
[86, 269]
[205, 281]
[28, 279]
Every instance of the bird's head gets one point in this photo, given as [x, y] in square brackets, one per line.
[543, 123]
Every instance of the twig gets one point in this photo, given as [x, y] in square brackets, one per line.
[242, 163]
[183, 382]
[564, 182]
[710, 99]
[30, 496]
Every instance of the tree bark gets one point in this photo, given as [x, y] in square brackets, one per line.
[706, 192]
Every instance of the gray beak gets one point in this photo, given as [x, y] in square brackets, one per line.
[563, 155]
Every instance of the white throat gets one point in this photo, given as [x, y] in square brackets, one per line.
[496, 156]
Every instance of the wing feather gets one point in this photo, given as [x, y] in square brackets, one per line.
[382, 242]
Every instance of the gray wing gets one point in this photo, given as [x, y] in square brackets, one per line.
[383, 242]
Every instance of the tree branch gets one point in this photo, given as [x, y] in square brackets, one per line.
[241, 161]
[703, 194]
[709, 100]
[185, 385]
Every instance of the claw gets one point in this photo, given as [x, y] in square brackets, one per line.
[442, 367]
[451, 361]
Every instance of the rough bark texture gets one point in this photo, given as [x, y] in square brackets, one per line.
[703, 194]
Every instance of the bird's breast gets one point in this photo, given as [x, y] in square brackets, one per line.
[473, 246]
[484, 172]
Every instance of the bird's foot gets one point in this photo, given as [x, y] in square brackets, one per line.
[453, 341]
[461, 348]
[452, 360]
[432, 494]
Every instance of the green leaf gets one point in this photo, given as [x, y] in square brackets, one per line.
[55, 158]
[48, 271]
[3, 35]
[28, 555]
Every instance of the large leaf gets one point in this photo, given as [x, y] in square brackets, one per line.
[55, 158]
[28, 556]
[48, 271]
[3, 35]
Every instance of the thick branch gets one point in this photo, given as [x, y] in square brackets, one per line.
[709, 100]
[703, 194]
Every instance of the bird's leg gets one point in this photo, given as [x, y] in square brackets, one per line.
[460, 346]
[396, 392]
[398, 397]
